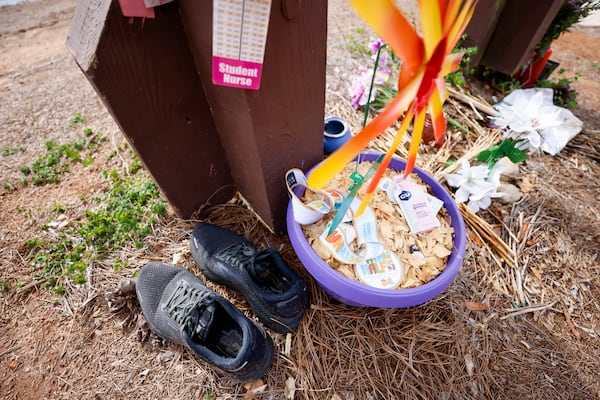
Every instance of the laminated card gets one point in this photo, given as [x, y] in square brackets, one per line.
[239, 37]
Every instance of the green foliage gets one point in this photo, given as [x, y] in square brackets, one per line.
[564, 95]
[135, 165]
[59, 209]
[75, 119]
[356, 44]
[384, 94]
[358, 48]
[505, 149]
[596, 65]
[48, 167]
[9, 151]
[464, 70]
[123, 216]
[569, 14]
[499, 81]
[127, 215]
[9, 186]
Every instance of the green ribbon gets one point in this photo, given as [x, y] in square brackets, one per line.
[358, 182]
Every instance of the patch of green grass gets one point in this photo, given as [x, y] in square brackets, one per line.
[358, 44]
[135, 166]
[358, 47]
[9, 186]
[9, 150]
[120, 217]
[75, 119]
[49, 166]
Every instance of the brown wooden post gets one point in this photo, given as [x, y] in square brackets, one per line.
[482, 26]
[145, 74]
[519, 29]
[280, 126]
[197, 139]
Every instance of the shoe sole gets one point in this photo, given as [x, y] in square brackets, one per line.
[280, 325]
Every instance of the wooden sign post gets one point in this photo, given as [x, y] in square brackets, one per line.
[202, 141]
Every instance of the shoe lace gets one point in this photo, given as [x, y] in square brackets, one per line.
[239, 254]
[257, 263]
[191, 308]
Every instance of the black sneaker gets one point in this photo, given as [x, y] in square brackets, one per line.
[180, 308]
[276, 294]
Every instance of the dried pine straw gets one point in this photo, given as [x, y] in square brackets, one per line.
[470, 342]
[499, 331]
[526, 329]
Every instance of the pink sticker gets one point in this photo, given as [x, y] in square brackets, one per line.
[236, 73]
[135, 8]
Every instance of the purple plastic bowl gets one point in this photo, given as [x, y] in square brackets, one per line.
[355, 293]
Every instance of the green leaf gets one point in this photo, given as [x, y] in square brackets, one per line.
[517, 156]
[505, 149]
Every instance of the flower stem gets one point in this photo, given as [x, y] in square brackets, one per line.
[372, 84]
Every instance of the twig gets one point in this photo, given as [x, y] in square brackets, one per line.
[64, 349]
[118, 153]
[17, 347]
[31, 285]
[468, 119]
[570, 323]
[473, 102]
[530, 309]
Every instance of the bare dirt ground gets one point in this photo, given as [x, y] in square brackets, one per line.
[73, 346]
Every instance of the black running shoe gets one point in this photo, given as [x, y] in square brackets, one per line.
[276, 294]
[180, 308]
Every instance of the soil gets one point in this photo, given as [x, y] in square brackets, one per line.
[74, 346]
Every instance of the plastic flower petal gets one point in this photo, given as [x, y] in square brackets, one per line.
[483, 200]
[531, 118]
[375, 45]
[557, 137]
[477, 185]
[480, 202]
[495, 172]
[473, 180]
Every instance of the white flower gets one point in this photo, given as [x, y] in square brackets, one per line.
[557, 137]
[469, 180]
[483, 200]
[531, 118]
[477, 185]
[495, 172]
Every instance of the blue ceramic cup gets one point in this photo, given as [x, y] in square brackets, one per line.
[336, 133]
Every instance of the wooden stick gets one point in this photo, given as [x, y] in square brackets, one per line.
[479, 104]
[530, 309]
[570, 323]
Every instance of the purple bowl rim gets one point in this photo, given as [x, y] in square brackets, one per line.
[386, 298]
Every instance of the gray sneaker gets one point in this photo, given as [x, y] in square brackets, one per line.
[180, 308]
